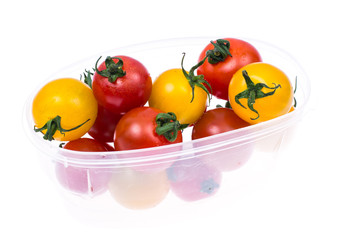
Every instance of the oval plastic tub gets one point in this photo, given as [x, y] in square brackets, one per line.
[176, 175]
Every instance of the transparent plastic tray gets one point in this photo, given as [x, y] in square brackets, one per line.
[187, 172]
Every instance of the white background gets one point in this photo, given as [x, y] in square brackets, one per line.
[300, 199]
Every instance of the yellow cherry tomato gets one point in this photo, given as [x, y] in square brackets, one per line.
[139, 189]
[259, 92]
[171, 92]
[64, 109]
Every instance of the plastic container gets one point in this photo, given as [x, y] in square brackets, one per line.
[177, 174]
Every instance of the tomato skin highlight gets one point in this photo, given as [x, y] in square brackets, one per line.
[268, 107]
[70, 99]
[217, 121]
[220, 74]
[127, 92]
[137, 129]
[105, 125]
[171, 92]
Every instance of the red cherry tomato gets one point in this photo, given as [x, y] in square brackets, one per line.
[137, 129]
[216, 121]
[82, 180]
[87, 145]
[219, 74]
[108, 146]
[105, 125]
[121, 83]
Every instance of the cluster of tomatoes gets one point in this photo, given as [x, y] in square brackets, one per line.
[119, 102]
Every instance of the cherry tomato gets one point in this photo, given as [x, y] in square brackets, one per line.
[139, 128]
[121, 83]
[81, 180]
[64, 109]
[181, 93]
[86, 145]
[259, 92]
[216, 121]
[139, 189]
[221, 65]
[105, 125]
[193, 180]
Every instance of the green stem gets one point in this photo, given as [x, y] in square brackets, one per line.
[227, 105]
[194, 80]
[54, 125]
[168, 126]
[220, 52]
[113, 70]
[87, 77]
[253, 92]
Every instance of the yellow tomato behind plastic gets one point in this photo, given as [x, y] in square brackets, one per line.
[171, 92]
[268, 107]
[70, 99]
[139, 189]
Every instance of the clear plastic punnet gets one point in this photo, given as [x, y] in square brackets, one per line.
[177, 175]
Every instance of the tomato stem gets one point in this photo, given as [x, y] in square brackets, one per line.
[113, 70]
[220, 52]
[253, 92]
[227, 105]
[168, 126]
[196, 80]
[53, 125]
[87, 77]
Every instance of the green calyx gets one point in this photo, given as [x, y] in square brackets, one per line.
[194, 80]
[220, 51]
[253, 92]
[87, 77]
[53, 125]
[113, 70]
[168, 126]
[227, 105]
